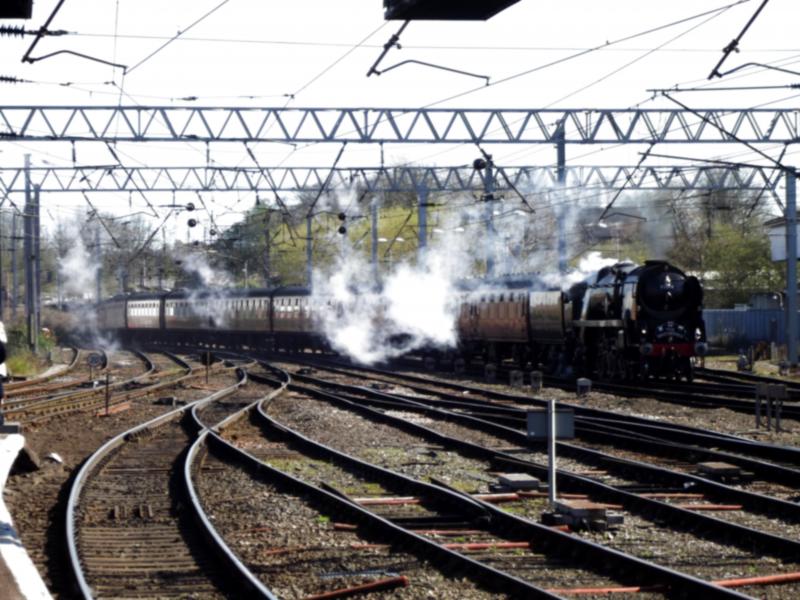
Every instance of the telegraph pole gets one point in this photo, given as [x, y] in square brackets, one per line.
[14, 276]
[309, 249]
[791, 266]
[37, 250]
[422, 220]
[36, 295]
[28, 255]
[561, 174]
[488, 197]
[161, 269]
[2, 281]
[373, 217]
[267, 247]
[98, 257]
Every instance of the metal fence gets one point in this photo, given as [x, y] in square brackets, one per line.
[734, 329]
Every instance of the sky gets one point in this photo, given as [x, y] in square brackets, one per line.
[316, 53]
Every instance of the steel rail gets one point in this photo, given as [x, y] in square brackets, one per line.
[33, 381]
[94, 461]
[426, 385]
[445, 557]
[726, 376]
[252, 586]
[551, 540]
[78, 400]
[743, 536]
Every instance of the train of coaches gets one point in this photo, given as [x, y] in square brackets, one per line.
[625, 321]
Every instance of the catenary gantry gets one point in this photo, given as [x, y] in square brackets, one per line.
[116, 178]
[399, 125]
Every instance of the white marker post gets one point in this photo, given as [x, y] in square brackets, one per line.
[551, 452]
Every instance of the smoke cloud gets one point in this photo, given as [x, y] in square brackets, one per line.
[416, 304]
[78, 270]
[207, 287]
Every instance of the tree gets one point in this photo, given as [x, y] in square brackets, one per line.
[742, 265]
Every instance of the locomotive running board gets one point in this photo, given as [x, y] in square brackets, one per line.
[606, 323]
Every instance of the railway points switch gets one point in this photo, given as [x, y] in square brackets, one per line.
[721, 471]
[583, 514]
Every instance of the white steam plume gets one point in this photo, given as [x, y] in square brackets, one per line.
[208, 288]
[415, 306]
[417, 303]
[78, 270]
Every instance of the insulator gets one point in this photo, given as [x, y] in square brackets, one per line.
[479, 164]
[192, 222]
[212, 233]
[342, 216]
[342, 230]
[10, 79]
[11, 31]
[190, 206]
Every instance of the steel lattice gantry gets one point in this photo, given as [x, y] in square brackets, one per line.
[371, 179]
[398, 125]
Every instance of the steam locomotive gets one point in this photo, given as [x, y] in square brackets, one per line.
[626, 321]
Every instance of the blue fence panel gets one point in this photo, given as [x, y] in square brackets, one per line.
[728, 327]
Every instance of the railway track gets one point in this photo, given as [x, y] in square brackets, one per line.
[215, 454]
[116, 394]
[18, 387]
[360, 559]
[720, 391]
[635, 495]
[131, 529]
[738, 377]
[657, 511]
[773, 463]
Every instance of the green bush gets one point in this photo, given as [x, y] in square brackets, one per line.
[21, 361]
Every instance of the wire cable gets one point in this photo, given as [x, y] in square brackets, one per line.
[177, 35]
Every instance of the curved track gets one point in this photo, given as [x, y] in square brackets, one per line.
[129, 532]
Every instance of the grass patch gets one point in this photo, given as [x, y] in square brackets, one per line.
[23, 363]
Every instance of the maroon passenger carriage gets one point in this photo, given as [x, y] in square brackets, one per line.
[280, 319]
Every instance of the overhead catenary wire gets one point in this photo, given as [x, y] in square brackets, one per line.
[712, 14]
[587, 51]
[176, 36]
[448, 47]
